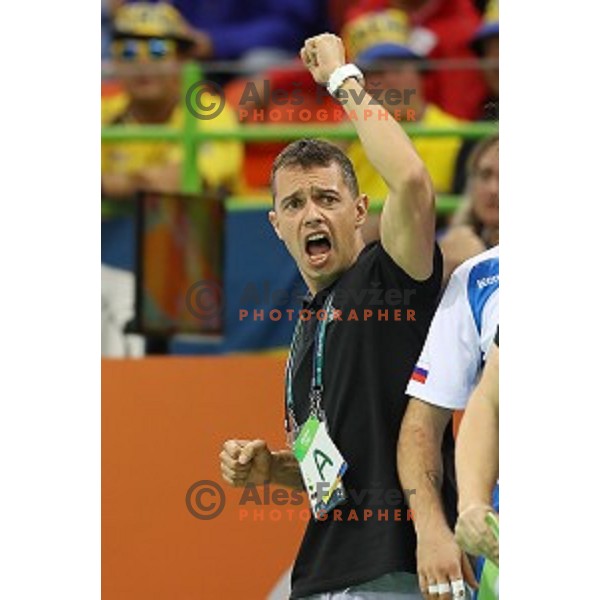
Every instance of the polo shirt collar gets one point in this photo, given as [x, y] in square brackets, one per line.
[317, 301]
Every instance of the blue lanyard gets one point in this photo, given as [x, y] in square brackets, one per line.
[316, 391]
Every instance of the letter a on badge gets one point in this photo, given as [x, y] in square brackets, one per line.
[324, 461]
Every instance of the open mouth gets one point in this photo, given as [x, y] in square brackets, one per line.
[317, 246]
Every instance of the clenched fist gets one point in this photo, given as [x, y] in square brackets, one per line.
[246, 462]
[322, 55]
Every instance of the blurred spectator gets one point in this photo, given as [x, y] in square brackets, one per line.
[105, 28]
[480, 5]
[151, 42]
[150, 45]
[380, 43]
[486, 43]
[108, 9]
[284, 96]
[475, 225]
[443, 29]
[338, 9]
[262, 32]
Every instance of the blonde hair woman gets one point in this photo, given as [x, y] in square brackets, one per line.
[475, 225]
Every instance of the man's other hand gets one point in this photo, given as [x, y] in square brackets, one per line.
[246, 462]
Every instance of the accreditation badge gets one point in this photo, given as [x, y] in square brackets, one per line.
[322, 466]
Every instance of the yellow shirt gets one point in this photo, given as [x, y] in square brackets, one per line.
[219, 162]
[438, 154]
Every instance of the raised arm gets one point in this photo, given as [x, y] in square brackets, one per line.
[408, 219]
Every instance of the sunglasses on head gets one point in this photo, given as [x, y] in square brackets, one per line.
[130, 49]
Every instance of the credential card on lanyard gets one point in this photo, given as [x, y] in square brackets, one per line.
[322, 467]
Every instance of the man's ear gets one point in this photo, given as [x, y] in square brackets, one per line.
[362, 210]
[274, 222]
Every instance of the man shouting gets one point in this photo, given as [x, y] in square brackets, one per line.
[345, 376]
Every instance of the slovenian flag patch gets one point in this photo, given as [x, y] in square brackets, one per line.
[419, 374]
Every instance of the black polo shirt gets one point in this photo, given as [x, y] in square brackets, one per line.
[368, 361]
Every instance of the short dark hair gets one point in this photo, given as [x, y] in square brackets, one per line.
[308, 153]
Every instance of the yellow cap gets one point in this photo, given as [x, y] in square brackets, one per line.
[143, 19]
[492, 12]
[379, 35]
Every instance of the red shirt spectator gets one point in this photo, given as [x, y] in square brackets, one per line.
[447, 27]
[279, 97]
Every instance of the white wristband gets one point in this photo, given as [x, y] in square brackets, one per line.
[340, 75]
